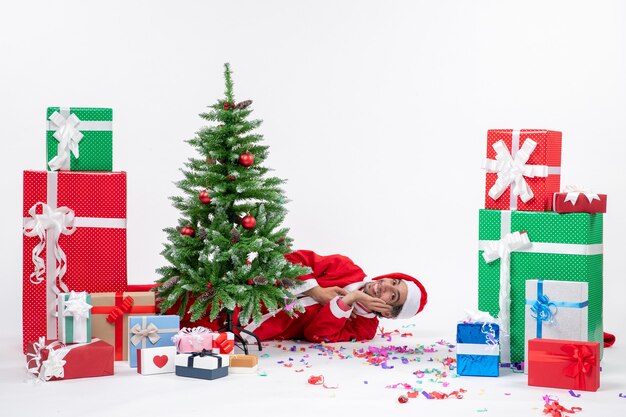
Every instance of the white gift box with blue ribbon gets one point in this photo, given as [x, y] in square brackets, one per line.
[556, 310]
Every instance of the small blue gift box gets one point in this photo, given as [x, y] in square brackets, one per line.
[148, 332]
[478, 349]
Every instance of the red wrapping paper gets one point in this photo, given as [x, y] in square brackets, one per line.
[547, 152]
[582, 204]
[82, 361]
[568, 364]
[96, 255]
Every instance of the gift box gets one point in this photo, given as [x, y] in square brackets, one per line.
[523, 169]
[110, 314]
[477, 349]
[243, 364]
[74, 240]
[79, 139]
[556, 310]
[157, 360]
[75, 317]
[50, 360]
[224, 342]
[202, 365]
[553, 247]
[150, 332]
[194, 339]
[567, 364]
[578, 200]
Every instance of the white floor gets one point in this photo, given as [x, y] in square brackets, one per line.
[281, 387]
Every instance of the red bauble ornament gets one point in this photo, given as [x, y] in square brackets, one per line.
[250, 282]
[248, 222]
[230, 177]
[209, 285]
[246, 159]
[188, 231]
[403, 399]
[204, 197]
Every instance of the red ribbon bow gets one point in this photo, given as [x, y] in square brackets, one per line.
[556, 410]
[119, 311]
[222, 341]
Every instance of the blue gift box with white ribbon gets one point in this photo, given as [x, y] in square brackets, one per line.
[478, 349]
[556, 310]
[150, 331]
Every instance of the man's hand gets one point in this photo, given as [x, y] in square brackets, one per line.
[367, 301]
[324, 295]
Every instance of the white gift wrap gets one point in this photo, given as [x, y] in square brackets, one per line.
[157, 360]
[201, 362]
[568, 316]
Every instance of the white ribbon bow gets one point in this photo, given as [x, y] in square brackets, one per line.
[53, 222]
[77, 306]
[512, 171]
[151, 332]
[502, 248]
[52, 366]
[573, 191]
[479, 316]
[68, 137]
[197, 334]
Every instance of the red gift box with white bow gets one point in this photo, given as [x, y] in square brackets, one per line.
[567, 364]
[523, 169]
[49, 360]
[74, 240]
[575, 199]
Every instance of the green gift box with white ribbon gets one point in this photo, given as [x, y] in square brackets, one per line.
[74, 317]
[517, 246]
[79, 139]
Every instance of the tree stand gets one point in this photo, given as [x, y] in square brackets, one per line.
[240, 342]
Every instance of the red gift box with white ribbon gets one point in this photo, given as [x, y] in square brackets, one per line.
[523, 169]
[575, 199]
[74, 240]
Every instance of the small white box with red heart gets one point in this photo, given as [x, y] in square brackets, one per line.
[157, 360]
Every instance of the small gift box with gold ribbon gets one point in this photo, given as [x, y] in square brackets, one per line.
[202, 365]
[150, 332]
[75, 317]
[567, 364]
[50, 360]
[79, 139]
[110, 314]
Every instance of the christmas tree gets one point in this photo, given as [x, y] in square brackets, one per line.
[228, 249]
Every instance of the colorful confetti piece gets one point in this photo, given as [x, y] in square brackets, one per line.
[573, 394]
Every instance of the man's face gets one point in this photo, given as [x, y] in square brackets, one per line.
[392, 291]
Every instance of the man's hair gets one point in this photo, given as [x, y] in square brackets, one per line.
[395, 310]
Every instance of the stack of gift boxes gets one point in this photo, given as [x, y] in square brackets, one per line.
[540, 266]
[79, 314]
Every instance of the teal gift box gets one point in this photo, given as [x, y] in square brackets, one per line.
[74, 310]
[517, 246]
[79, 139]
[150, 331]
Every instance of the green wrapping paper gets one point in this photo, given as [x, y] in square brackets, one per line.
[564, 247]
[79, 139]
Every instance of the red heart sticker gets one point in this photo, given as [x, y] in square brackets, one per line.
[160, 360]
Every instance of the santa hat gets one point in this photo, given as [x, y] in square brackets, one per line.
[416, 296]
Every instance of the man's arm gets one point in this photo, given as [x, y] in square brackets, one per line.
[332, 323]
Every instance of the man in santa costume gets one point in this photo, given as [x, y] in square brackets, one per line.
[341, 303]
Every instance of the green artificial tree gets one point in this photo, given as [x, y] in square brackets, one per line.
[227, 251]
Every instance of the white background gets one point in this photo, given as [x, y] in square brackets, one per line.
[375, 113]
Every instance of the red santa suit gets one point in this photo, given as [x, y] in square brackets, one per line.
[330, 322]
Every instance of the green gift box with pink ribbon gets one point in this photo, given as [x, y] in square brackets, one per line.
[517, 246]
[79, 139]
